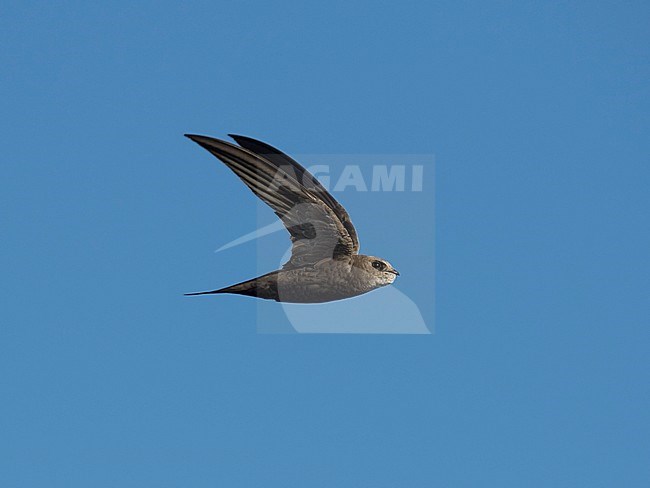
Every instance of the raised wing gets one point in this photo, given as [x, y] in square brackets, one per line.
[305, 177]
[316, 231]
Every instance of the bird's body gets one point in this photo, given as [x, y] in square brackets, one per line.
[332, 279]
[325, 264]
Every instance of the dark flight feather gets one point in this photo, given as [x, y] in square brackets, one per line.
[310, 215]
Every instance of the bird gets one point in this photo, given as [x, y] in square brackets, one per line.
[325, 264]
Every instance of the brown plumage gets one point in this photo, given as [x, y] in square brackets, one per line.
[324, 264]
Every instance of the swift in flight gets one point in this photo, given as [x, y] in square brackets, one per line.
[325, 263]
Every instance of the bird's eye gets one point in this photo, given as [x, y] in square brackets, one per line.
[378, 265]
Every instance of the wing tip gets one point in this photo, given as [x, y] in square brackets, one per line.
[239, 139]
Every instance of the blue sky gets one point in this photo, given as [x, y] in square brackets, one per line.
[537, 373]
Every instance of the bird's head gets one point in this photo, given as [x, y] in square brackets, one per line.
[378, 270]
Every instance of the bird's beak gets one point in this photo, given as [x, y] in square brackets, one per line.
[395, 272]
